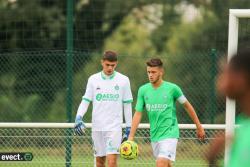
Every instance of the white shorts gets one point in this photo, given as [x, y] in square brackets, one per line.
[106, 142]
[165, 148]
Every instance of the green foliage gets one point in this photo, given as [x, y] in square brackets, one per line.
[15, 108]
[32, 83]
[130, 35]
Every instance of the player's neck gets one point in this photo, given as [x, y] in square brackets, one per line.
[157, 84]
[107, 76]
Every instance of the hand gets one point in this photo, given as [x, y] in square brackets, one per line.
[126, 134]
[200, 133]
[79, 126]
[130, 139]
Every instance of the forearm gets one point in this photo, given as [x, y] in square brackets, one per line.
[192, 114]
[128, 113]
[216, 147]
[135, 123]
[82, 109]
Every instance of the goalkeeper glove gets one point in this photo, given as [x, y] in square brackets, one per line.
[126, 134]
[79, 126]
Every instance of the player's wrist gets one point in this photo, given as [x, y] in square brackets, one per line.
[127, 130]
[131, 137]
[78, 119]
[199, 127]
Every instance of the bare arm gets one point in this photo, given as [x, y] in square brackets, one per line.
[192, 114]
[216, 147]
[135, 123]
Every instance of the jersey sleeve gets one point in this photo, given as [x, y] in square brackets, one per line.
[178, 95]
[88, 96]
[127, 94]
[140, 101]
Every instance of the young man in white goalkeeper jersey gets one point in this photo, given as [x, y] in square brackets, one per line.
[110, 93]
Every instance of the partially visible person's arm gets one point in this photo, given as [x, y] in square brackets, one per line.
[135, 123]
[216, 147]
[82, 109]
[127, 100]
[127, 107]
[192, 114]
[179, 96]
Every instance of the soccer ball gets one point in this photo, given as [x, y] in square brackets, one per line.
[129, 150]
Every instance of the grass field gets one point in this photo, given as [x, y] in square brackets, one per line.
[48, 149]
[49, 161]
[55, 159]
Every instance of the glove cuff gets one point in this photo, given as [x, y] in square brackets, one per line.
[78, 119]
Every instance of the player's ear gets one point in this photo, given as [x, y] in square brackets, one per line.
[161, 70]
[102, 61]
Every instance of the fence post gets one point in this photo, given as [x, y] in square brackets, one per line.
[213, 101]
[69, 52]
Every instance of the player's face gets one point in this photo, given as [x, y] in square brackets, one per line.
[232, 83]
[154, 74]
[108, 67]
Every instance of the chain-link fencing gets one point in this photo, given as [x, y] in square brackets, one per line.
[190, 37]
[33, 84]
[48, 146]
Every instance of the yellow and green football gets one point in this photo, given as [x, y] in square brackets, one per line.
[129, 150]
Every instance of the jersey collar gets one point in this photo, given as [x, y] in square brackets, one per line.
[104, 76]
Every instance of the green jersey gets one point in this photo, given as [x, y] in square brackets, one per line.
[160, 106]
[240, 151]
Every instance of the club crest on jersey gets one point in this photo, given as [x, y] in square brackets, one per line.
[116, 87]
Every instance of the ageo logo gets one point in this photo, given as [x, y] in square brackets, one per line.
[107, 97]
[156, 107]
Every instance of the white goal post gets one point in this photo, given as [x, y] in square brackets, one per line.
[234, 15]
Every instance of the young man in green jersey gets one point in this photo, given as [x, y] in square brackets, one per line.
[234, 82]
[158, 98]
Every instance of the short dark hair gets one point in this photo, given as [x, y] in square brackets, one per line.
[241, 62]
[110, 56]
[154, 62]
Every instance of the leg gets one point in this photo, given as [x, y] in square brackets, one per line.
[99, 148]
[112, 160]
[163, 162]
[100, 161]
[164, 151]
[113, 142]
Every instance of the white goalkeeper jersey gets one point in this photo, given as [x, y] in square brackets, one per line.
[107, 95]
